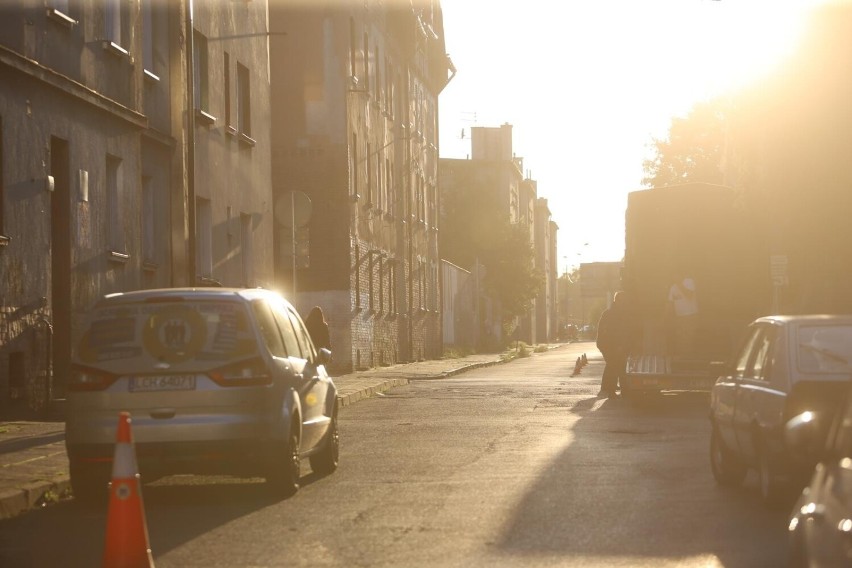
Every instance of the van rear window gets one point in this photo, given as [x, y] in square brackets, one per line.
[168, 332]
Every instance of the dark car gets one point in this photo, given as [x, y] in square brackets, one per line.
[821, 521]
[787, 365]
[217, 380]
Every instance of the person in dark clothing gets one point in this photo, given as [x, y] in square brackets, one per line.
[318, 328]
[616, 334]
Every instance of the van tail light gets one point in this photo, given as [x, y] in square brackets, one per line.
[250, 372]
[89, 379]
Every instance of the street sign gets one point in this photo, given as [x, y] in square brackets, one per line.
[778, 269]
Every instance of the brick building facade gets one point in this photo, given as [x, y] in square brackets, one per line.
[355, 129]
[117, 171]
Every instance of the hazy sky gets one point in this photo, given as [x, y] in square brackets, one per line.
[586, 84]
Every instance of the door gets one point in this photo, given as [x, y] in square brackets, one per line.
[724, 393]
[310, 388]
[60, 264]
[759, 405]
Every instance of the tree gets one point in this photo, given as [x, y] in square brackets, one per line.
[475, 226]
[693, 151]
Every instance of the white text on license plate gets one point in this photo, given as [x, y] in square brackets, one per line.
[162, 383]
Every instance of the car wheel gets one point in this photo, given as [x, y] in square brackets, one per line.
[89, 484]
[285, 468]
[325, 462]
[727, 469]
[771, 488]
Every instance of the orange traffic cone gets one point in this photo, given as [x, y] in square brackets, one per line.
[127, 532]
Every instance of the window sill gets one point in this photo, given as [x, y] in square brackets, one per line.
[117, 50]
[246, 140]
[4, 240]
[208, 282]
[60, 18]
[230, 130]
[150, 266]
[204, 117]
[149, 76]
[119, 257]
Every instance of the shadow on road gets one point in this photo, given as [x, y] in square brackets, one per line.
[71, 535]
[635, 483]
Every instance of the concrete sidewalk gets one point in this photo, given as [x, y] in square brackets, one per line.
[34, 466]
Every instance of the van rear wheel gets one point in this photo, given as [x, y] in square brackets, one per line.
[285, 468]
[325, 462]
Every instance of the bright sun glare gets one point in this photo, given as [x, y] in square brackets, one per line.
[594, 81]
[758, 36]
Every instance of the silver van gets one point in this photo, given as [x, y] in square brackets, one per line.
[216, 380]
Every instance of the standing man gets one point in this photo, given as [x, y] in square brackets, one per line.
[318, 328]
[616, 332]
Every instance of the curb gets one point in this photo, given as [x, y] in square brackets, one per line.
[14, 502]
[368, 392]
[460, 370]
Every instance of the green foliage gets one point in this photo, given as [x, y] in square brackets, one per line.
[693, 150]
[475, 226]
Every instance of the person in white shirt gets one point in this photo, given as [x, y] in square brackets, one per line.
[683, 309]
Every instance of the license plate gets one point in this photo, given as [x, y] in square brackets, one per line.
[162, 383]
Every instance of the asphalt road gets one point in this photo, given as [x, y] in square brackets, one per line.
[511, 465]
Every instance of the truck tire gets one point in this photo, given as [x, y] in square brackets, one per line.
[727, 469]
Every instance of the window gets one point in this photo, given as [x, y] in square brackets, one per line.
[113, 21]
[357, 277]
[287, 331]
[370, 287]
[379, 178]
[353, 166]
[268, 328]
[353, 50]
[148, 36]
[116, 32]
[227, 89]
[381, 285]
[203, 237]
[200, 71]
[244, 100]
[369, 160]
[389, 95]
[392, 286]
[824, 348]
[302, 336]
[366, 62]
[59, 11]
[378, 87]
[247, 249]
[760, 362]
[2, 187]
[388, 205]
[114, 199]
[148, 218]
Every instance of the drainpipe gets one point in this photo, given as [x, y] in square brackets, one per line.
[190, 146]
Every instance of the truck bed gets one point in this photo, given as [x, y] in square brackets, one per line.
[652, 373]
